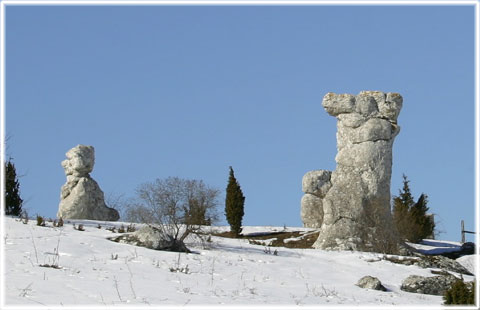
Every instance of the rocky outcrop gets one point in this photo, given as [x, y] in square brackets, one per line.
[445, 264]
[315, 185]
[81, 197]
[441, 262]
[351, 203]
[371, 283]
[153, 238]
[428, 285]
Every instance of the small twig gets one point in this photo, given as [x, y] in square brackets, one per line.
[116, 288]
[131, 283]
[213, 268]
[103, 301]
[40, 303]
[57, 256]
[30, 259]
[34, 247]
[24, 291]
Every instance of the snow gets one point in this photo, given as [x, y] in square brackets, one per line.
[95, 271]
[430, 246]
[469, 262]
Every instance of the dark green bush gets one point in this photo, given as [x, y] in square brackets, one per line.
[40, 221]
[460, 293]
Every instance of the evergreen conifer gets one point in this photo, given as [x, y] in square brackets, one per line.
[410, 218]
[234, 204]
[13, 202]
[423, 224]
[401, 207]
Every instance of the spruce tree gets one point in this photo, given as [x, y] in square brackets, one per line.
[423, 224]
[401, 207]
[234, 203]
[13, 202]
[410, 217]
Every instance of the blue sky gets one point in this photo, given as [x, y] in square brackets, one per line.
[189, 90]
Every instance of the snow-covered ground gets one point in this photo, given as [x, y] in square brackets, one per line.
[430, 246]
[96, 271]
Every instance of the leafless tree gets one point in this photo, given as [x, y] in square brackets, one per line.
[117, 201]
[175, 207]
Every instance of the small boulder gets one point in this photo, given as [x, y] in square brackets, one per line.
[371, 283]
[428, 285]
[152, 237]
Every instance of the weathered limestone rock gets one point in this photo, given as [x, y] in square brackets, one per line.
[312, 211]
[81, 197]
[428, 285]
[355, 198]
[315, 184]
[371, 283]
[153, 238]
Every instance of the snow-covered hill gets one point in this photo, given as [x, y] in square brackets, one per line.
[93, 270]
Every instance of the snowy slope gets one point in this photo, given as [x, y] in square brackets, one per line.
[96, 271]
[431, 247]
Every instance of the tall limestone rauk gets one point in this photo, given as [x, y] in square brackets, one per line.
[81, 197]
[349, 204]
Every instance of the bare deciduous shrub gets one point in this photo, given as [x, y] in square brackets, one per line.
[379, 234]
[24, 217]
[176, 207]
[178, 268]
[267, 250]
[54, 258]
[117, 202]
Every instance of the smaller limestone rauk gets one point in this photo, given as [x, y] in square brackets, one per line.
[81, 197]
[356, 195]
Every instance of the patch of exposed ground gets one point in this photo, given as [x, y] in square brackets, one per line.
[287, 239]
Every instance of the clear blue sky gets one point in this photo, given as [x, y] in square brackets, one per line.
[189, 90]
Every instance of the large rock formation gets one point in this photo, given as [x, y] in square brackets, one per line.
[81, 197]
[350, 203]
